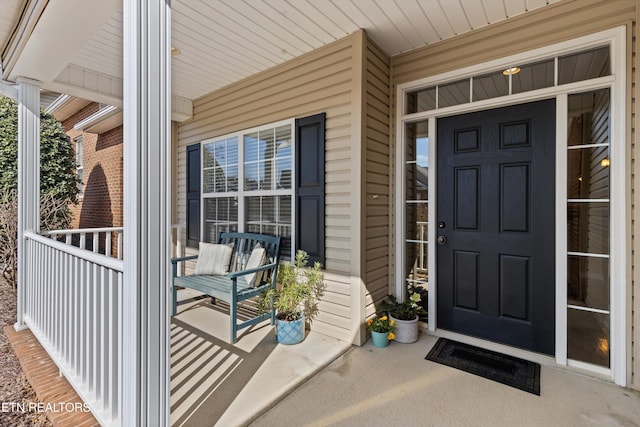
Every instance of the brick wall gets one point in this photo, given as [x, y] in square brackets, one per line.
[101, 204]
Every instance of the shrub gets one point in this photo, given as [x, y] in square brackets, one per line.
[58, 181]
[54, 215]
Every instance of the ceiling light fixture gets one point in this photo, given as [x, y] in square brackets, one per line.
[511, 71]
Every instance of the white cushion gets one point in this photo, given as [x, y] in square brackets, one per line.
[257, 258]
[213, 259]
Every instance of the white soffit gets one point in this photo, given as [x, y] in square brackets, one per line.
[224, 41]
[11, 11]
[103, 120]
[62, 30]
[65, 106]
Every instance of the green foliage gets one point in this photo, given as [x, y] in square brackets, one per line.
[57, 160]
[298, 291]
[8, 144]
[407, 310]
[381, 324]
[58, 181]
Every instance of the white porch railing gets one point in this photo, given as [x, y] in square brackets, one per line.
[73, 305]
[78, 238]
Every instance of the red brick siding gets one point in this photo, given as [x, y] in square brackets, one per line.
[101, 204]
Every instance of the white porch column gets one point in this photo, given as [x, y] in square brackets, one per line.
[28, 178]
[147, 211]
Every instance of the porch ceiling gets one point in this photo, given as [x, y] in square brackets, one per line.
[223, 41]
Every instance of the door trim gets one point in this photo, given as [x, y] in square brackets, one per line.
[619, 217]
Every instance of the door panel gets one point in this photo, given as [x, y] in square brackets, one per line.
[496, 193]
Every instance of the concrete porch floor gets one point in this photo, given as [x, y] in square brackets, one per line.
[397, 386]
[217, 383]
[325, 382]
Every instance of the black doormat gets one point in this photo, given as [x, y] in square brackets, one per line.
[511, 371]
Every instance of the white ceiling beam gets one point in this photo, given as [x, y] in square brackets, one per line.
[60, 33]
[181, 108]
[99, 87]
[88, 84]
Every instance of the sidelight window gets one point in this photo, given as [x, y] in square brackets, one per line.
[417, 204]
[588, 236]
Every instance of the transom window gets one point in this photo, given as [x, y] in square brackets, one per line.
[560, 70]
[247, 183]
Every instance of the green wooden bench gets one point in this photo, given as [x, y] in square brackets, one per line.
[233, 287]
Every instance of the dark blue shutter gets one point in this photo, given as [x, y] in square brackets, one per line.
[193, 195]
[310, 133]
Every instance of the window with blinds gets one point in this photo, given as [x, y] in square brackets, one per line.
[247, 183]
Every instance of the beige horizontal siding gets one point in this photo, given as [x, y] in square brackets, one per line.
[320, 81]
[553, 24]
[376, 168]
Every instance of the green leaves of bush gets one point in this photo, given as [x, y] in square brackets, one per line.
[57, 159]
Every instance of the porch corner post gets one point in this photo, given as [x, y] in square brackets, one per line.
[147, 212]
[28, 180]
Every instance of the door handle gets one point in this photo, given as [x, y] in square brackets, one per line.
[442, 240]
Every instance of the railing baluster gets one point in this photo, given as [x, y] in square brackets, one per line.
[74, 307]
[73, 302]
[107, 244]
[83, 241]
[119, 254]
[96, 242]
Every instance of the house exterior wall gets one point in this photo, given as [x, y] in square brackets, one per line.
[101, 203]
[326, 80]
[376, 169]
[558, 22]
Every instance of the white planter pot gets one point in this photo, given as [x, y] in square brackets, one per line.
[406, 330]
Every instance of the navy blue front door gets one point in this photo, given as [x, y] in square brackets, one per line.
[496, 225]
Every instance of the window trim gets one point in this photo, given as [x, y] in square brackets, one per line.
[79, 141]
[241, 193]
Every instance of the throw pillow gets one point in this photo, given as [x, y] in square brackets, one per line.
[257, 258]
[213, 259]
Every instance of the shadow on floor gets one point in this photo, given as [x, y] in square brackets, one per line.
[208, 373]
[217, 383]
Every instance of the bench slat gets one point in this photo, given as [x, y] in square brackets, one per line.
[216, 286]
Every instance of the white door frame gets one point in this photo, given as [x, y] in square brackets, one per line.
[616, 39]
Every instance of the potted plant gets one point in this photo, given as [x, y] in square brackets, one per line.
[405, 315]
[414, 288]
[381, 329]
[295, 298]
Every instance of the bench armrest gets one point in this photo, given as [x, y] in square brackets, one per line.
[236, 274]
[184, 258]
